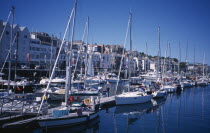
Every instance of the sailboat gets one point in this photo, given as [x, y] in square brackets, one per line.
[61, 116]
[185, 82]
[203, 81]
[131, 97]
[91, 78]
[168, 85]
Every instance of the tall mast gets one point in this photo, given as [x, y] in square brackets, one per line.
[164, 65]
[68, 67]
[145, 63]
[123, 54]
[80, 49]
[87, 29]
[194, 63]
[203, 64]
[86, 64]
[179, 59]
[10, 53]
[51, 56]
[130, 56]
[159, 52]
[130, 31]
[56, 61]
[169, 55]
[186, 57]
[16, 55]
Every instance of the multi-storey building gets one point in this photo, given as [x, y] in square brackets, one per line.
[20, 45]
[43, 49]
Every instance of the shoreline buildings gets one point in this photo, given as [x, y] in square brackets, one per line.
[39, 50]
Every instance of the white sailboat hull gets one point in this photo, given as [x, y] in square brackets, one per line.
[202, 83]
[66, 120]
[92, 81]
[170, 88]
[183, 85]
[132, 98]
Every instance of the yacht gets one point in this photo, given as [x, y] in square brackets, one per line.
[187, 83]
[132, 98]
[149, 76]
[112, 78]
[169, 88]
[202, 82]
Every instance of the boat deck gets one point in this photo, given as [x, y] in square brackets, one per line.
[107, 101]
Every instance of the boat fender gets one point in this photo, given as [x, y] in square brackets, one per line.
[19, 96]
[87, 101]
[44, 97]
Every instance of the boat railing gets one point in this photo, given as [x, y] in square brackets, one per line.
[18, 105]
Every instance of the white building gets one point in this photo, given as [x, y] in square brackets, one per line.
[20, 47]
[105, 62]
[42, 49]
[23, 44]
[96, 57]
[5, 41]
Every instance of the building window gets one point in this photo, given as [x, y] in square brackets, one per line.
[32, 56]
[7, 32]
[25, 36]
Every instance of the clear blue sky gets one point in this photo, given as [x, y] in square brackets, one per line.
[180, 20]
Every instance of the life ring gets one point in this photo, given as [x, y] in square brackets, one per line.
[71, 99]
[87, 101]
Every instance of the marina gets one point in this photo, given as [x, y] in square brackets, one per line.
[176, 109]
[61, 84]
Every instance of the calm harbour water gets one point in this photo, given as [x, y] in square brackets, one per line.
[187, 111]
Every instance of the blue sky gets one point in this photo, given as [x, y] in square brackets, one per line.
[180, 20]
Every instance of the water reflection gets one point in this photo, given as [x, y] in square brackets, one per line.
[179, 112]
[128, 116]
[133, 109]
[89, 127]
